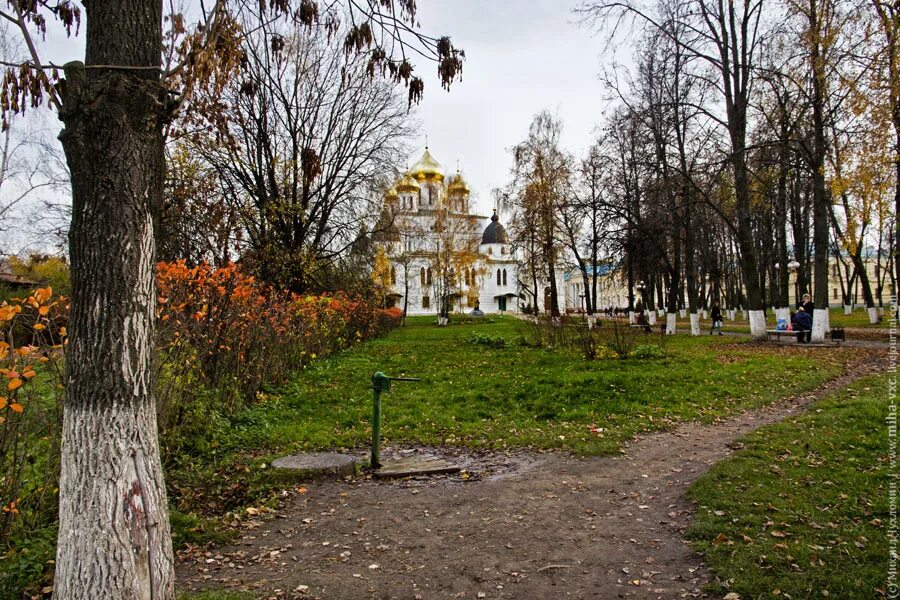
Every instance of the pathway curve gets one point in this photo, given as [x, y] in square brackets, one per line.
[602, 527]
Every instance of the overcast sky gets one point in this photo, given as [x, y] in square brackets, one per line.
[522, 56]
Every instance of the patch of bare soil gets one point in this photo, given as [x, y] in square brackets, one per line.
[511, 525]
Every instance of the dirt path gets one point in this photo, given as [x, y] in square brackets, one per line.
[556, 527]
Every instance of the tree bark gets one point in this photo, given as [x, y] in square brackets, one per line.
[114, 539]
[821, 199]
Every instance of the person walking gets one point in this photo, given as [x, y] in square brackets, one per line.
[716, 314]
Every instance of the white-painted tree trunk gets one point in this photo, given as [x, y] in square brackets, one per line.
[757, 320]
[631, 318]
[819, 326]
[747, 315]
[651, 317]
[682, 313]
[695, 324]
[703, 314]
[731, 314]
[660, 312]
[783, 313]
[115, 520]
[848, 309]
[670, 323]
[873, 315]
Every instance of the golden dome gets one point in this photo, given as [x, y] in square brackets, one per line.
[458, 184]
[407, 184]
[427, 168]
[391, 194]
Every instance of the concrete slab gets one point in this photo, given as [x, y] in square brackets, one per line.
[415, 465]
[316, 464]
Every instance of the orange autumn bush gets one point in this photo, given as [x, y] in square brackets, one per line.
[221, 329]
[32, 333]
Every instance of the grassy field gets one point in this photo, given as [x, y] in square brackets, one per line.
[480, 396]
[801, 511]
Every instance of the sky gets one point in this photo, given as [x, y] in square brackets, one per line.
[522, 56]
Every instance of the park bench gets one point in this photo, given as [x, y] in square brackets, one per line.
[780, 333]
[837, 334]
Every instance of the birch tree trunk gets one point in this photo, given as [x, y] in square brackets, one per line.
[114, 539]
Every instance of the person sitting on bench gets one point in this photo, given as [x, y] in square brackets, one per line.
[803, 325]
[644, 322]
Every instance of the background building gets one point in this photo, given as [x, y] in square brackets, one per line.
[440, 253]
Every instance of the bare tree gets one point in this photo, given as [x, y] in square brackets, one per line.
[541, 183]
[307, 135]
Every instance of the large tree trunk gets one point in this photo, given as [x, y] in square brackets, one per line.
[821, 198]
[114, 540]
[747, 250]
[782, 274]
[554, 292]
[405, 292]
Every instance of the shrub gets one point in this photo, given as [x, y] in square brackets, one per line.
[604, 352]
[647, 352]
[606, 339]
[223, 336]
[51, 271]
[221, 328]
[619, 336]
[31, 333]
[543, 331]
[492, 341]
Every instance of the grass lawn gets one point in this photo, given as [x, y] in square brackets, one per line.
[488, 397]
[803, 508]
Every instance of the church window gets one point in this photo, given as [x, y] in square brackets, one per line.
[490, 252]
[422, 275]
[504, 276]
[426, 302]
[393, 276]
[429, 276]
[499, 277]
[502, 249]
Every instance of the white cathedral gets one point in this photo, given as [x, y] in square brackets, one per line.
[419, 210]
